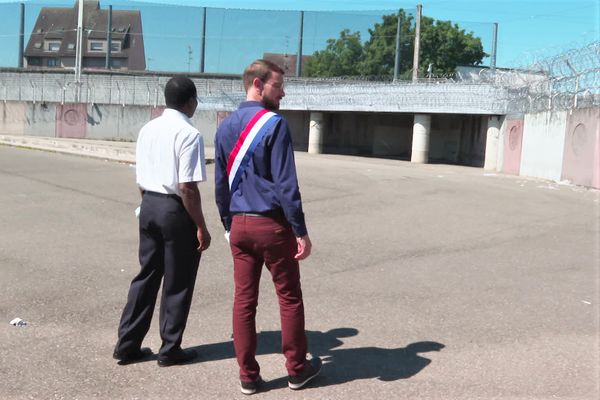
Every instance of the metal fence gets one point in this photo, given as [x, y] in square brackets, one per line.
[204, 39]
[567, 81]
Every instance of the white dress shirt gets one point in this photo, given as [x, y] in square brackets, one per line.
[169, 151]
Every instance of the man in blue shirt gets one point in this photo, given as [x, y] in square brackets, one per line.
[260, 205]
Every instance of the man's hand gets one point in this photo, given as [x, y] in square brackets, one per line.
[203, 239]
[190, 195]
[304, 247]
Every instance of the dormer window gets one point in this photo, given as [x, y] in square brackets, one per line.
[53, 45]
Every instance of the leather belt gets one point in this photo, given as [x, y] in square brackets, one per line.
[270, 214]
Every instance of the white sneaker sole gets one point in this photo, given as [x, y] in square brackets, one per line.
[296, 386]
[248, 391]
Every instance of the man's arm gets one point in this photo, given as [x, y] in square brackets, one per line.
[283, 170]
[222, 197]
[193, 205]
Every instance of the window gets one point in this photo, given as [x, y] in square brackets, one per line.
[71, 46]
[53, 46]
[96, 46]
[53, 62]
[34, 61]
[116, 63]
[115, 47]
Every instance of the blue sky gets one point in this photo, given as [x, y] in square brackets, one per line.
[527, 29]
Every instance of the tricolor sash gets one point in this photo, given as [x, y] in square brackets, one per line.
[250, 137]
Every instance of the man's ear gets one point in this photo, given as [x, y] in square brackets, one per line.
[258, 85]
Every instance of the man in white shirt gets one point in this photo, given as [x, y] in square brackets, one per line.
[169, 164]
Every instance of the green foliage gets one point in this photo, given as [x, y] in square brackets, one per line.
[380, 49]
[443, 44]
[338, 58]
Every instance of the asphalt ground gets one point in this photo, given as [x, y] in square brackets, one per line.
[426, 282]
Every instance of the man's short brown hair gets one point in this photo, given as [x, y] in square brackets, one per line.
[260, 69]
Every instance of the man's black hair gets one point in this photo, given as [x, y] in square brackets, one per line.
[178, 91]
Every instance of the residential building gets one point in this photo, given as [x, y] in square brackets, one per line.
[53, 41]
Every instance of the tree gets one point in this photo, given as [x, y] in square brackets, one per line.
[338, 58]
[380, 49]
[443, 44]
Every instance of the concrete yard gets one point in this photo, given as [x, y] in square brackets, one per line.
[426, 282]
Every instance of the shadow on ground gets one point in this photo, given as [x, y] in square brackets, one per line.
[339, 365]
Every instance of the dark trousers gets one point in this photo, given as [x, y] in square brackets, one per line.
[168, 246]
[254, 241]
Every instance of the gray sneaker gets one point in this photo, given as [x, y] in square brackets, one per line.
[250, 387]
[310, 371]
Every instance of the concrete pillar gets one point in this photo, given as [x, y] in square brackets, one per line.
[315, 133]
[492, 143]
[420, 142]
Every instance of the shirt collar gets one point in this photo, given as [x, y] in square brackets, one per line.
[171, 112]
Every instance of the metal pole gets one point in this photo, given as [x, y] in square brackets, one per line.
[78, 50]
[415, 74]
[109, 38]
[21, 35]
[203, 40]
[397, 59]
[299, 54]
[494, 46]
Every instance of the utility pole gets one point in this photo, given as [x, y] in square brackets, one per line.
[189, 63]
[79, 49]
[415, 74]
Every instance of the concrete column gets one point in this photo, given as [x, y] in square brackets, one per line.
[492, 143]
[315, 133]
[420, 142]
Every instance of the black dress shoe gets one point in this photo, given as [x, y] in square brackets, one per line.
[176, 358]
[131, 357]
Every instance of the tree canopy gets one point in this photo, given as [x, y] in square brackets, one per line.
[443, 44]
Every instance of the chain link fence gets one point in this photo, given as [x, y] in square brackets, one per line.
[200, 39]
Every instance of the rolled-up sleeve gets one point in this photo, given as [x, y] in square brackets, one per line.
[192, 162]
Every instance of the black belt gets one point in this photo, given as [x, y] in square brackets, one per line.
[270, 214]
[167, 195]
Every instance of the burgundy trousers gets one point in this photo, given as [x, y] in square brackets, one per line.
[257, 240]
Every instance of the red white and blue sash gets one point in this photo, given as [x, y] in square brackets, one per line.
[250, 137]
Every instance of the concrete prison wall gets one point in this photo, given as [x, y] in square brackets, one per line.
[90, 121]
[560, 146]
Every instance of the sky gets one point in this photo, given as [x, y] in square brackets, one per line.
[528, 30]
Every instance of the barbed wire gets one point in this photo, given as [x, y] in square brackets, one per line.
[561, 82]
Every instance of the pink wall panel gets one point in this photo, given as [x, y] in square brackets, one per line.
[513, 141]
[581, 161]
[71, 120]
[156, 112]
